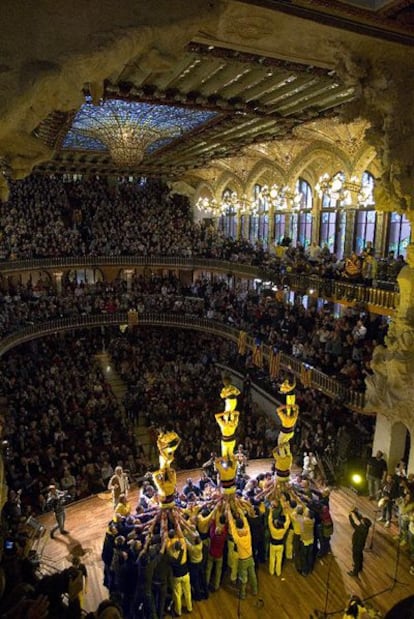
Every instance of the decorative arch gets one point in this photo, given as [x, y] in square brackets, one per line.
[304, 163]
[267, 170]
[203, 190]
[228, 179]
[367, 161]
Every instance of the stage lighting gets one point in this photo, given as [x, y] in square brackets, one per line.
[357, 481]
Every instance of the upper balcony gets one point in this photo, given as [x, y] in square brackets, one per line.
[381, 299]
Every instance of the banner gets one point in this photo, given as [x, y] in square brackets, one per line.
[258, 355]
[242, 342]
[306, 376]
[274, 364]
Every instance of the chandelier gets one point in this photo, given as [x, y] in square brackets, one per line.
[230, 202]
[338, 189]
[208, 205]
[238, 204]
[281, 197]
[126, 129]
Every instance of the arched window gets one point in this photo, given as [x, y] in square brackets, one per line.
[301, 218]
[333, 220]
[366, 215]
[259, 219]
[399, 234]
[228, 221]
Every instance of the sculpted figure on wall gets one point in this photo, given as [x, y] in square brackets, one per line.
[385, 98]
[391, 390]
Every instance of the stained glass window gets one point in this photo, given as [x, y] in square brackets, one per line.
[96, 126]
[399, 233]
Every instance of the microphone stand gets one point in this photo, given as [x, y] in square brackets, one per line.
[371, 544]
[395, 580]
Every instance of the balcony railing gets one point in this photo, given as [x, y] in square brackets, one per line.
[336, 290]
[317, 380]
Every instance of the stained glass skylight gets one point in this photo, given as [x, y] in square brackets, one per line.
[129, 130]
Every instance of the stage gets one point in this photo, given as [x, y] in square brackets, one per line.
[289, 597]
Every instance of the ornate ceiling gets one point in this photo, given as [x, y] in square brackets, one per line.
[229, 100]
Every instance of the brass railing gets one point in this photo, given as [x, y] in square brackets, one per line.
[335, 290]
[318, 380]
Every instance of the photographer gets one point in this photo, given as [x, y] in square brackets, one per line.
[56, 501]
[361, 526]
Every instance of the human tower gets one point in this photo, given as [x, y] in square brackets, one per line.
[167, 515]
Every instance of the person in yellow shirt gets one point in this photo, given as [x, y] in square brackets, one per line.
[278, 528]
[123, 508]
[229, 394]
[228, 424]
[165, 481]
[357, 610]
[177, 554]
[227, 470]
[283, 462]
[240, 531]
[196, 567]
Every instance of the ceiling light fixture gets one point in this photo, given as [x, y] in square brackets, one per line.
[126, 131]
[281, 197]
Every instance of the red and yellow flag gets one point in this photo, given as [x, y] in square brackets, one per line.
[274, 364]
[258, 355]
[242, 342]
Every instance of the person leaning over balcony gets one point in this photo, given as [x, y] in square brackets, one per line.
[353, 268]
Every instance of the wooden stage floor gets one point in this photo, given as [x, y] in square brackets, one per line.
[290, 597]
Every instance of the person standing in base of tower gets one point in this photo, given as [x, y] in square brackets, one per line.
[240, 531]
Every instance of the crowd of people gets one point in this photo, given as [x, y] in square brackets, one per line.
[47, 216]
[64, 426]
[66, 436]
[144, 575]
[55, 390]
[339, 346]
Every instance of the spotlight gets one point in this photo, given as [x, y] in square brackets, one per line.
[357, 481]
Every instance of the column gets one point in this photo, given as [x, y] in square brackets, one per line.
[58, 281]
[128, 275]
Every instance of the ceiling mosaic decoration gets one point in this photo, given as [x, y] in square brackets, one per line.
[210, 104]
[130, 130]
